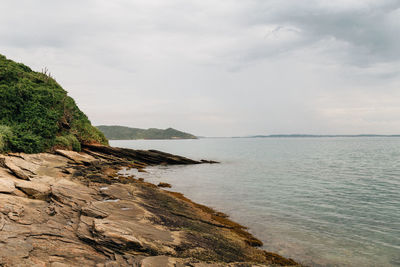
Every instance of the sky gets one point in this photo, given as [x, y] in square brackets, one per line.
[218, 68]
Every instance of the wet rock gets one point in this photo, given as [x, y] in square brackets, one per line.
[165, 185]
[151, 157]
[209, 161]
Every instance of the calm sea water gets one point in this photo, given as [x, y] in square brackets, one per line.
[321, 201]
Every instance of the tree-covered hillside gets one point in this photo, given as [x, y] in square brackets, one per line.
[127, 133]
[36, 114]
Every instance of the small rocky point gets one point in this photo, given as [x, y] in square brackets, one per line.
[74, 209]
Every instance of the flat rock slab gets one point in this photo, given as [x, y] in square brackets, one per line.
[15, 169]
[34, 190]
[75, 156]
[6, 186]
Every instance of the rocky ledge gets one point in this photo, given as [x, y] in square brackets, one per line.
[74, 209]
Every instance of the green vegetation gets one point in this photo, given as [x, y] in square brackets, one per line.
[36, 114]
[127, 133]
[69, 142]
[5, 136]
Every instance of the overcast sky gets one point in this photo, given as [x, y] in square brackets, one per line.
[218, 68]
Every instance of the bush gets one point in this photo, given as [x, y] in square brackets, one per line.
[39, 112]
[80, 124]
[27, 142]
[5, 136]
[69, 142]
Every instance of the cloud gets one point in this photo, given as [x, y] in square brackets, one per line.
[232, 33]
[366, 30]
[216, 67]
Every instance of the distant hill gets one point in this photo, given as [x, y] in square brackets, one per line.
[127, 133]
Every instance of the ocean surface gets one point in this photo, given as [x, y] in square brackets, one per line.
[320, 201]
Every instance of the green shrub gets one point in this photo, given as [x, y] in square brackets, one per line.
[5, 136]
[39, 112]
[62, 142]
[27, 142]
[69, 142]
[75, 144]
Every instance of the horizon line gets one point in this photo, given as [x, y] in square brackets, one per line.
[304, 135]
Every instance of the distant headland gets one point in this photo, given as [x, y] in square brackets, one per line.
[115, 132]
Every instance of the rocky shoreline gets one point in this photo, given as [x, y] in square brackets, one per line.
[74, 209]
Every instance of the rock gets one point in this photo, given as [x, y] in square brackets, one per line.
[168, 261]
[24, 163]
[71, 218]
[16, 170]
[209, 161]
[79, 158]
[167, 185]
[58, 264]
[158, 261]
[93, 211]
[73, 194]
[14, 250]
[6, 186]
[151, 157]
[34, 190]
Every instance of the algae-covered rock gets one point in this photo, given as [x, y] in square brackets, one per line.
[36, 114]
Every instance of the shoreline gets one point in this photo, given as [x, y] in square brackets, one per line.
[78, 199]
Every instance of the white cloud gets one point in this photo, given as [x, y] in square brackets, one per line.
[217, 68]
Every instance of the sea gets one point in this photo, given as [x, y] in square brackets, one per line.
[332, 201]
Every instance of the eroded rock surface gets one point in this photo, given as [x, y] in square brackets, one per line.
[73, 209]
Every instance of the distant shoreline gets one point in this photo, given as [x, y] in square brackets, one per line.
[310, 135]
[302, 136]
